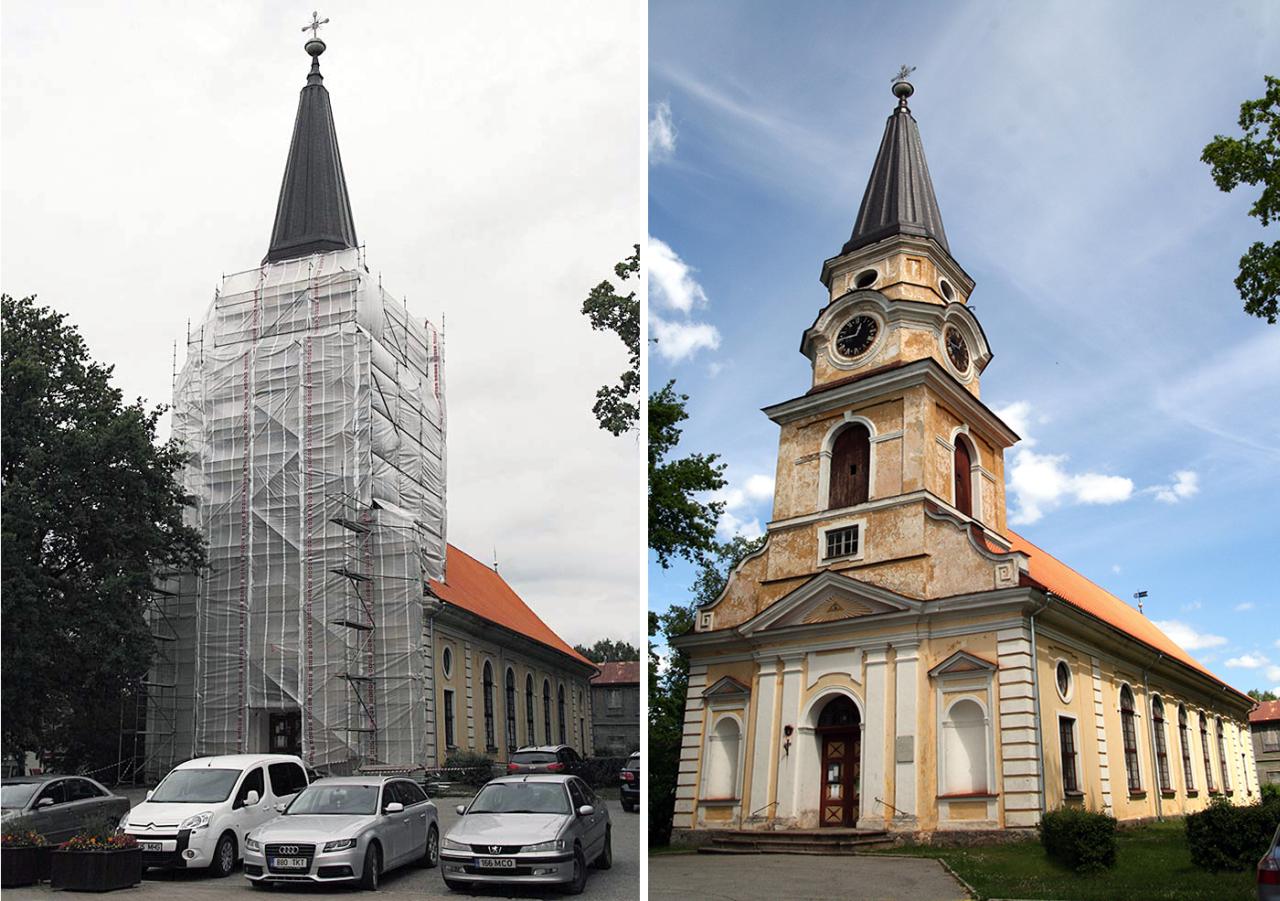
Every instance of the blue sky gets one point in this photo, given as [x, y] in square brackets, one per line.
[1064, 143]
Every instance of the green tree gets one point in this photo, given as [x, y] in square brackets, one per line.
[669, 680]
[1259, 695]
[617, 407]
[680, 525]
[606, 651]
[1252, 160]
[91, 511]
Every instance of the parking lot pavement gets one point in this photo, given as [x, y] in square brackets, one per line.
[799, 877]
[622, 881]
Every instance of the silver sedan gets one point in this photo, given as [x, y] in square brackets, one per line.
[536, 829]
[345, 829]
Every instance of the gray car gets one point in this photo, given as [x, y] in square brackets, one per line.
[345, 829]
[536, 829]
[58, 807]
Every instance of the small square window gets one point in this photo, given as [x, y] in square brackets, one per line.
[841, 542]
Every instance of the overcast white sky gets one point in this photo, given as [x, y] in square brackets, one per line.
[494, 155]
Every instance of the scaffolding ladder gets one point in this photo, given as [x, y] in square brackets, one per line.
[355, 615]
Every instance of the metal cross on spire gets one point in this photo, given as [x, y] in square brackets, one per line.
[316, 22]
[903, 74]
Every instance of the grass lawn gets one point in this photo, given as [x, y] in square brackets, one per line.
[1152, 862]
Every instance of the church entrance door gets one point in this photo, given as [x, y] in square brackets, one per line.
[840, 737]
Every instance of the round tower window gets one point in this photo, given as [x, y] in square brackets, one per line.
[866, 278]
[947, 291]
[1063, 675]
[446, 661]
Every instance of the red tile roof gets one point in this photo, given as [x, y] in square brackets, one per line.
[625, 673]
[1083, 594]
[476, 588]
[1266, 712]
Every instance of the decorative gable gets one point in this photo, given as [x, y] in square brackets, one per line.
[828, 597]
[726, 689]
[962, 663]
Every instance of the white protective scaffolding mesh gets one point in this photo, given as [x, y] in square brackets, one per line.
[312, 405]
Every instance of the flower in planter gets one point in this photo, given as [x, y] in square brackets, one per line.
[26, 839]
[95, 841]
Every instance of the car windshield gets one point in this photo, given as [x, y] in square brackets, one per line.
[534, 757]
[15, 795]
[195, 786]
[350, 800]
[521, 797]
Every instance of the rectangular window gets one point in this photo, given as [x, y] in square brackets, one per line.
[1271, 739]
[448, 719]
[1067, 743]
[1208, 765]
[1222, 757]
[841, 542]
[1162, 750]
[1185, 740]
[615, 700]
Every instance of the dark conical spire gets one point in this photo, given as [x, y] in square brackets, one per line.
[313, 214]
[899, 198]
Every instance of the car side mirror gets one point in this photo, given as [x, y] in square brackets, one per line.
[251, 798]
[461, 809]
[44, 802]
[394, 807]
[586, 810]
[150, 792]
[280, 808]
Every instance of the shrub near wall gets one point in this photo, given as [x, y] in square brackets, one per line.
[1081, 839]
[468, 767]
[1227, 837]
[602, 772]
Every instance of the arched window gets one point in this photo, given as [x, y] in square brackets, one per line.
[1204, 747]
[1222, 758]
[1129, 732]
[962, 496]
[564, 739]
[722, 759]
[1184, 739]
[1162, 752]
[490, 740]
[839, 713]
[964, 749]
[530, 736]
[850, 467]
[511, 711]
[546, 710]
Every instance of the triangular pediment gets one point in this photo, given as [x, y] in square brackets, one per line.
[726, 688]
[963, 663]
[828, 598]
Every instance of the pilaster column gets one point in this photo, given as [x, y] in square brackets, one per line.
[907, 689]
[872, 791]
[764, 747]
[788, 764]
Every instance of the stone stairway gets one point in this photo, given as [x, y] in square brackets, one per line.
[796, 841]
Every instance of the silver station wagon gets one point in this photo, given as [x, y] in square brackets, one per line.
[536, 829]
[345, 829]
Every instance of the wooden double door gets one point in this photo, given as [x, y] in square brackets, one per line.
[840, 777]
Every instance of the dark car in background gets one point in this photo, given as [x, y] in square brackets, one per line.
[58, 807]
[560, 759]
[630, 783]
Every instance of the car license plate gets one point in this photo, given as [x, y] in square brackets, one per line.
[151, 846]
[496, 863]
[290, 863]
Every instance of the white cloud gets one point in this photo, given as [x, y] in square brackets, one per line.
[1040, 483]
[1115, 568]
[714, 368]
[1187, 637]
[1186, 483]
[662, 133]
[1017, 416]
[672, 285]
[1242, 607]
[736, 520]
[1247, 661]
[759, 487]
[1273, 675]
[731, 525]
[671, 280]
[1194, 605]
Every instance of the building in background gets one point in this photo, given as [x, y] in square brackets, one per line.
[333, 619]
[895, 657]
[1264, 726]
[615, 698]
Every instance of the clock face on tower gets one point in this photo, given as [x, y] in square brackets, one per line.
[856, 336]
[957, 350]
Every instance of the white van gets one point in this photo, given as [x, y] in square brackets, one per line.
[200, 813]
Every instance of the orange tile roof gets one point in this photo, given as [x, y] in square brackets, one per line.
[1083, 594]
[625, 672]
[476, 588]
[1266, 712]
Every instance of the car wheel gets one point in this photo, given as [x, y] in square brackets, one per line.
[431, 856]
[605, 860]
[224, 856]
[372, 868]
[579, 881]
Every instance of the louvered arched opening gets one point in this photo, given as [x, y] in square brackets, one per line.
[963, 468]
[850, 467]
